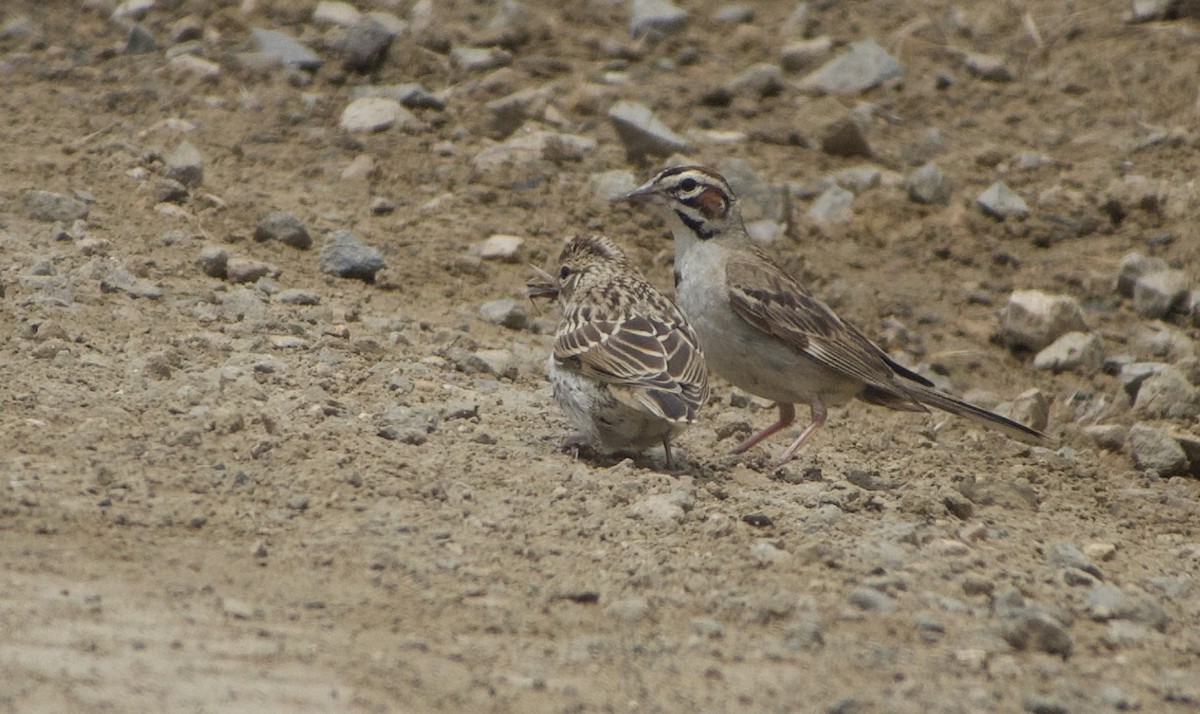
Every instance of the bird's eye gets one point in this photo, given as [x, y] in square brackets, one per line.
[564, 273]
[688, 185]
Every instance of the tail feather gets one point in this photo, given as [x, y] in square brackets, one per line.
[979, 415]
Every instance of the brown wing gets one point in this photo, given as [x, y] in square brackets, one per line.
[770, 300]
[653, 363]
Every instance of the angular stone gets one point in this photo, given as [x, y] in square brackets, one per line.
[245, 270]
[50, 206]
[284, 228]
[928, 184]
[988, 67]
[1167, 394]
[863, 66]
[213, 260]
[501, 247]
[506, 312]
[1157, 293]
[798, 56]
[1154, 450]
[832, 206]
[345, 256]
[185, 164]
[1033, 319]
[642, 133]
[480, 59]
[1073, 351]
[365, 45]
[1133, 266]
[285, 50]
[655, 18]
[1001, 202]
[371, 114]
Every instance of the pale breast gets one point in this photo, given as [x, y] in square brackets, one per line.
[741, 354]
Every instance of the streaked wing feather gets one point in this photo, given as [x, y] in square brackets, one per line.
[774, 303]
[653, 364]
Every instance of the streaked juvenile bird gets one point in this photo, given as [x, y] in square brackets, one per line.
[765, 332]
[626, 367]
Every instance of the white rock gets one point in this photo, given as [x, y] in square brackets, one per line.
[361, 167]
[1033, 319]
[502, 247]
[375, 114]
[335, 13]
[1155, 294]
[1074, 350]
[193, 66]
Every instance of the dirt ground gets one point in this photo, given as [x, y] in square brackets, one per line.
[199, 511]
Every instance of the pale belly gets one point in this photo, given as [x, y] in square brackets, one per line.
[606, 423]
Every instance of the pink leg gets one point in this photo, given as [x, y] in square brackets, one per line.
[787, 415]
[818, 420]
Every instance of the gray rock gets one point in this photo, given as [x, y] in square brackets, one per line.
[759, 80]
[185, 164]
[1149, 10]
[371, 114]
[480, 59]
[655, 18]
[1115, 697]
[798, 22]
[1033, 319]
[510, 112]
[123, 281]
[1036, 703]
[799, 56]
[1167, 394]
[659, 507]
[1001, 202]
[281, 48]
[502, 247]
[863, 66]
[1157, 293]
[1108, 602]
[1110, 437]
[858, 178]
[1134, 374]
[642, 133]
[846, 137]
[20, 27]
[1133, 266]
[734, 14]
[245, 270]
[765, 553]
[187, 29]
[1032, 629]
[506, 312]
[365, 45]
[1154, 450]
[345, 256]
[872, 600]
[297, 296]
[499, 363]
[408, 425]
[410, 94]
[285, 228]
[1159, 342]
[140, 41]
[191, 66]
[50, 206]
[928, 184]
[611, 185]
[525, 160]
[336, 13]
[212, 261]
[630, 609]
[1073, 351]
[168, 190]
[1063, 554]
[382, 206]
[832, 206]
[988, 67]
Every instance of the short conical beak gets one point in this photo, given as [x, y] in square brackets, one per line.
[645, 193]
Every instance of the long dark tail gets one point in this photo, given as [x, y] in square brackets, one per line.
[947, 403]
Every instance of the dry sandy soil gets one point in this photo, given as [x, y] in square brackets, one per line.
[199, 512]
